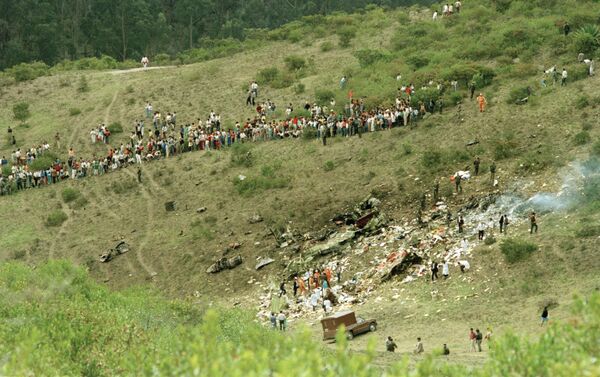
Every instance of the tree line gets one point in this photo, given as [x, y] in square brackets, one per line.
[55, 30]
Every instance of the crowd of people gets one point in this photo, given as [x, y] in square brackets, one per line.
[167, 138]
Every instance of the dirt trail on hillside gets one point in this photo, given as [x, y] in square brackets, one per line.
[141, 69]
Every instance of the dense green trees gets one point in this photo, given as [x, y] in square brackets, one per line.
[53, 30]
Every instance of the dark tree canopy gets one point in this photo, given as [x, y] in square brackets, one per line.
[54, 30]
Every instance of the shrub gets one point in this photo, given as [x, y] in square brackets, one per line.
[56, 218]
[431, 159]
[596, 149]
[515, 250]
[299, 88]
[115, 128]
[326, 46]
[21, 111]
[124, 186]
[162, 59]
[346, 34]
[273, 77]
[418, 60]
[323, 96]
[241, 155]
[367, 57]
[254, 185]
[582, 102]
[83, 86]
[588, 231]
[467, 72]
[73, 111]
[43, 162]
[28, 71]
[489, 240]
[582, 138]
[309, 133]
[517, 94]
[505, 146]
[70, 194]
[294, 62]
[587, 39]
[329, 165]
[454, 98]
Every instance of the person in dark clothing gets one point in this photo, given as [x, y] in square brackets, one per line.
[493, 172]
[434, 271]
[472, 89]
[282, 290]
[478, 339]
[295, 286]
[566, 28]
[139, 175]
[544, 316]
[457, 180]
[476, 164]
[390, 345]
[446, 350]
[436, 191]
[461, 223]
[533, 221]
[448, 218]
[501, 223]
[440, 105]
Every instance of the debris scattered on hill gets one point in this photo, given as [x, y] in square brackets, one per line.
[170, 206]
[262, 262]
[225, 264]
[201, 210]
[256, 218]
[121, 248]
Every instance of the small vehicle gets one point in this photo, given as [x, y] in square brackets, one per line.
[121, 248]
[354, 325]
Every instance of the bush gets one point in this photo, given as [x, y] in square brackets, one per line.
[43, 162]
[418, 60]
[309, 133]
[431, 159]
[517, 94]
[368, 57]
[582, 102]
[299, 88]
[273, 77]
[241, 155]
[73, 111]
[294, 62]
[505, 146]
[329, 165]
[346, 34]
[596, 149]
[582, 138]
[56, 218]
[124, 186]
[28, 71]
[467, 72]
[254, 185]
[326, 46]
[588, 231]
[587, 39]
[323, 96]
[162, 59]
[115, 128]
[489, 240]
[70, 194]
[83, 86]
[21, 111]
[515, 250]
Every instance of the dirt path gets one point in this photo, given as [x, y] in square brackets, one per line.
[141, 69]
[61, 231]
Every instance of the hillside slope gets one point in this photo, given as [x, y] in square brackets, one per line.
[301, 185]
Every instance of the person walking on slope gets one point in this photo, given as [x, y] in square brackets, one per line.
[478, 339]
[434, 271]
[533, 221]
[476, 164]
[544, 316]
[472, 339]
[390, 345]
[563, 77]
[482, 102]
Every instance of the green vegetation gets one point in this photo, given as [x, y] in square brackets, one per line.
[56, 218]
[21, 111]
[516, 250]
[74, 111]
[70, 194]
[83, 86]
[62, 305]
[115, 128]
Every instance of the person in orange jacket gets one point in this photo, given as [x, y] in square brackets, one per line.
[482, 102]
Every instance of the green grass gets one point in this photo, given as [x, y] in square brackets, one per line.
[288, 183]
[56, 218]
[516, 250]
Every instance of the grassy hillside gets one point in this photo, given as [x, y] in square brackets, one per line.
[57, 321]
[300, 185]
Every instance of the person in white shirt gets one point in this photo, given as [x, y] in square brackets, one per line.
[435, 15]
[93, 135]
[445, 269]
[480, 231]
[564, 76]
